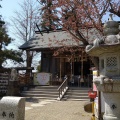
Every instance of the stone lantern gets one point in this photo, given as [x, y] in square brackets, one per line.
[107, 50]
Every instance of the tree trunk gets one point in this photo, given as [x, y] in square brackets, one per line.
[29, 60]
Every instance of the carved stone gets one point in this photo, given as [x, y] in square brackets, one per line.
[12, 108]
[108, 80]
[13, 75]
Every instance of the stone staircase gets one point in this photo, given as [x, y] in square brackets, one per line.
[50, 92]
[41, 92]
[77, 94]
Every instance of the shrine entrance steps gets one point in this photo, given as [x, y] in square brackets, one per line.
[76, 94]
[50, 92]
[41, 92]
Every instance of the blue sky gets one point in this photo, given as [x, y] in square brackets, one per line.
[8, 8]
[7, 11]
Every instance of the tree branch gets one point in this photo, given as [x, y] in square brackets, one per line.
[112, 10]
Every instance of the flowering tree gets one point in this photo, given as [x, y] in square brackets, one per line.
[115, 7]
[75, 15]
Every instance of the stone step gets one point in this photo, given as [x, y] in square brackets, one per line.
[79, 89]
[77, 94]
[36, 89]
[50, 92]
[41, 98]
[82, 88]
[72, 99]
[38, 95]
[74, 96]
[41, 92]
[46, 87]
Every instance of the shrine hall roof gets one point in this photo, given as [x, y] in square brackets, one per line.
[55, 39]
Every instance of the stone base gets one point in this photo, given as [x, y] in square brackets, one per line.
[112, 106]
[105, 117]
[13, 89]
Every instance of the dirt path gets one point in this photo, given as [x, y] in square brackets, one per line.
[56, 110]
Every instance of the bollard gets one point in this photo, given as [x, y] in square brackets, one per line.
[93, 112]
[92, 94]
[12, 108]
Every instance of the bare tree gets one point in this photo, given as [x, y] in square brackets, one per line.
[24, 24]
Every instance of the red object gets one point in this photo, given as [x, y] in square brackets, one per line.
[92, 94]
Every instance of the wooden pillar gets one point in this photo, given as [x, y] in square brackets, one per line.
[41, 61]
[82, 78]
[71, 68]
[73, 65]
[64, 67]
[60, 68]
[82, 64]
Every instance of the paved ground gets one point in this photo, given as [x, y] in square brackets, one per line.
[56, 110]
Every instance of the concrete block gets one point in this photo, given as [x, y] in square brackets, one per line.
[12, 108]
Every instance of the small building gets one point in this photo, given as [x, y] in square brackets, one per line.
[62, 54]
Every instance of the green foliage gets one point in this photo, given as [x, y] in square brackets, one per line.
[5, 40]
[11, 54]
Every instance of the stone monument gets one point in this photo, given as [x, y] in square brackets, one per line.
[13, 87]
[12, 108]
[108, 51]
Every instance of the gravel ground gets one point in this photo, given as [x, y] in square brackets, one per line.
[56, 110]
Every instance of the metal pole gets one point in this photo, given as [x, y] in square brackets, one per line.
[93, 112]
[99, 105]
